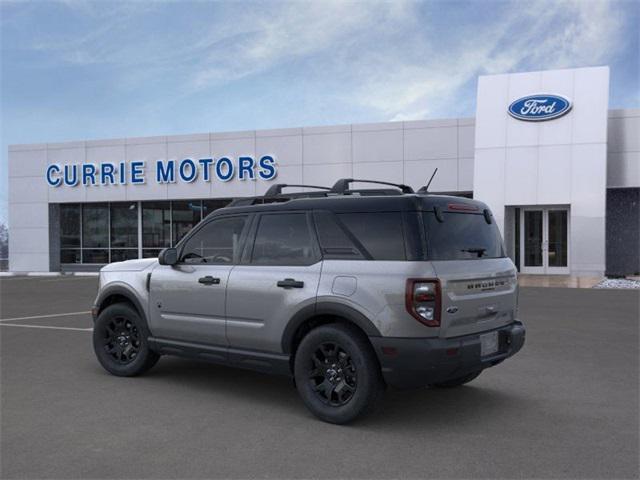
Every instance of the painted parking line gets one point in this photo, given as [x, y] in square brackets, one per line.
[46, 326]
[52, 315]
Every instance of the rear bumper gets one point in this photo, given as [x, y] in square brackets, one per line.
[416, 362]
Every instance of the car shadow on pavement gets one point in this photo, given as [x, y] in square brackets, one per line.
[409, 409]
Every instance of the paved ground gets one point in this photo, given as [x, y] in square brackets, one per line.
[566, 406]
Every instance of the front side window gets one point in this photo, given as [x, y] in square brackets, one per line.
[217, 242]
[283, 239]
[461, 236]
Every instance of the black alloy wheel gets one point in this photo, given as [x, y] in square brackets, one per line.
[333, 374]
[121, 340]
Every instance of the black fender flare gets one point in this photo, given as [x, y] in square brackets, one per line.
[120, 291]
[331, 309]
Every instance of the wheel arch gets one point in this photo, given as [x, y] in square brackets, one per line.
[118, 294]
[320, 314]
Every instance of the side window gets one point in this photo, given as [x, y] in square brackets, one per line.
[381, 234]
[283, 239]
[336, 242]
[218, 242]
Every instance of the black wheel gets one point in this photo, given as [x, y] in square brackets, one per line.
[120, 341]
[337, 373]
[456, 382]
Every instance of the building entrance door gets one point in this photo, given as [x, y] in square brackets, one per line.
[544, 244]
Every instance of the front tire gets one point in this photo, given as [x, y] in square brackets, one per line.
[120, 341]
[337, 373]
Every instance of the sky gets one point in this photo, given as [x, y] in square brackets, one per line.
[75, 70]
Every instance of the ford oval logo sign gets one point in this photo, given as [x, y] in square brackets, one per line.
[536, 108]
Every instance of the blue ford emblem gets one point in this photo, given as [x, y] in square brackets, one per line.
[536, 108]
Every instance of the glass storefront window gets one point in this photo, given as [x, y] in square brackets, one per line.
[156, 225]
[124, 225]
[95, 225]
[69, 226]
[185, 215]
[108, 232]
[209, 206]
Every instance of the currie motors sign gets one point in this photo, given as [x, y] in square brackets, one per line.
[187, 170]
[540, 107]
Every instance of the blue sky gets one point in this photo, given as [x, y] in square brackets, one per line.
[75, 70]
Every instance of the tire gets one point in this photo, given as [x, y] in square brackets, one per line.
[120, 341]
[457, 382]
[337, 373]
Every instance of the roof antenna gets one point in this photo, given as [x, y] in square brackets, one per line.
[425, 189]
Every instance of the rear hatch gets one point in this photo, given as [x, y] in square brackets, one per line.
[478, 282]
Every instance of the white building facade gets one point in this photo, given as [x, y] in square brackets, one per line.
[559, 170]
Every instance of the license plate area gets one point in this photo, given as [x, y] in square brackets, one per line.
[489, 344]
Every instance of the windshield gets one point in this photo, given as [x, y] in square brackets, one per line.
[461, 236]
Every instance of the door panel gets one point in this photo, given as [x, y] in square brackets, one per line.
[187, 300]
[544, 240]
[183, 308]
[258, 310]
[281, 277]
[558, 232]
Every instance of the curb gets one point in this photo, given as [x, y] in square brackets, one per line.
[49, 274]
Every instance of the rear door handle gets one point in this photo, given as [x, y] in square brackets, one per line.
[290, 283]
[209, 280]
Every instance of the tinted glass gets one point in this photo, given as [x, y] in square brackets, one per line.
[95, 256]
[217, 242]
[185, 216]
[156, 225]
[95, 226]
[124, 225]
[462, 236]
[283, 239]
[69, 226]
[558, 244]
[335, 242]
[381, 234]
[68, 255]
[122, 254]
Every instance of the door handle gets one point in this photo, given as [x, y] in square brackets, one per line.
[290, 283]
[209, 280]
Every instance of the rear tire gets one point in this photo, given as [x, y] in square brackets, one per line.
[337, 373]
[457, 382]
[120, 341]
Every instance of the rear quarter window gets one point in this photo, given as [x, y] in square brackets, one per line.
[380, 235]
[461, 236]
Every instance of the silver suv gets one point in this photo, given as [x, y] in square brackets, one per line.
[345, 290]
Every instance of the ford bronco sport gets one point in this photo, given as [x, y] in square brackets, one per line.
[345, 290]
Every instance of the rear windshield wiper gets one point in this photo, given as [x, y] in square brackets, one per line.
[479, 251]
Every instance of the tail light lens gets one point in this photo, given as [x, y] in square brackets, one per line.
[423, 300]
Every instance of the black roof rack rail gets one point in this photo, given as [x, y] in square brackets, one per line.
[276, 189]
[342, 185]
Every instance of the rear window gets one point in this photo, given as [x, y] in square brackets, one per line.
[461, 236]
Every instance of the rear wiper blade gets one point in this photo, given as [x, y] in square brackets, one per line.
[479, 251]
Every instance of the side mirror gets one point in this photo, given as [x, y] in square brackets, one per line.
[168, 256]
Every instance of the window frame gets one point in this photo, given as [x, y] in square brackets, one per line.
[247, 254]
[203, 223]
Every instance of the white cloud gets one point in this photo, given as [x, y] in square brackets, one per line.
[526, 36]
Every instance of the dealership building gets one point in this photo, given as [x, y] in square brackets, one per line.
[558, 168]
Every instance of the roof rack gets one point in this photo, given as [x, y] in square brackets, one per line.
[342, 185]
[275, 190]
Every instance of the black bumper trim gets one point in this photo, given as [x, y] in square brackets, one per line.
[416, 362]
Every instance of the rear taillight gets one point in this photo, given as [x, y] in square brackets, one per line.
[422, 299]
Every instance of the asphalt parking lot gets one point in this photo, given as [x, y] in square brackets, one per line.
[566, 406]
